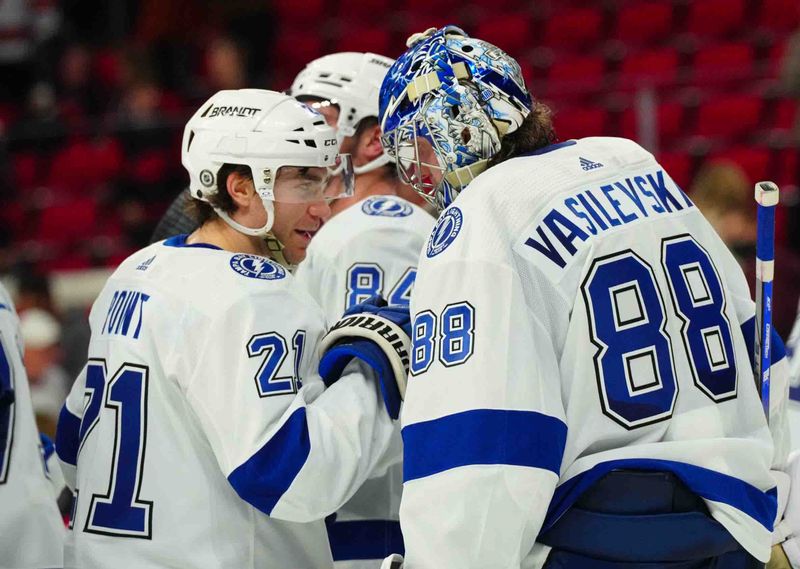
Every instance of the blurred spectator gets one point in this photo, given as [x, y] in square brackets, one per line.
[49, 383]
[23, 25]
[226, 65]
[723, 192]
[33, 291]
[40, 128]
[139, 89]
[78, 94]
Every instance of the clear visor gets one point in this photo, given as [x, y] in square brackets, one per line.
[304, 184]
[418, 163]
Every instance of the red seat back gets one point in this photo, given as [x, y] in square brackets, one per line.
[644, 23]
[729, 117]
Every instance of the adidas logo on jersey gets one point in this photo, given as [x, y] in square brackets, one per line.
[587, 165]
[146, 264]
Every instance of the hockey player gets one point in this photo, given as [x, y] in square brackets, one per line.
[31, 530]
[371, 246]
[581, 336]
[199, 433]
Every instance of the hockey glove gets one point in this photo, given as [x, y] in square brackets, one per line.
[380, 336]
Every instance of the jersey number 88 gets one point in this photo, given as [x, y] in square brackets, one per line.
[627, 319]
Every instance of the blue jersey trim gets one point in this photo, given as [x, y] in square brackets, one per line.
[365, 539]
[266, 476]
[68, 436]
[749, 332]
[550, 148]
[48, 447]
[483, 436]
[709, 484]
[180, 241]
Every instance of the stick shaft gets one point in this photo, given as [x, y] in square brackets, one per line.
[766, 195]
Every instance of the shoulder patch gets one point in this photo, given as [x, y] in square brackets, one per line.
[445, 231]
[386, 207]
[256, 267]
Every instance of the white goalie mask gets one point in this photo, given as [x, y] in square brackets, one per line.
[266, 131]
[352, 82]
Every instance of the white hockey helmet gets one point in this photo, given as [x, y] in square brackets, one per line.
[350, 80]
[265, 131]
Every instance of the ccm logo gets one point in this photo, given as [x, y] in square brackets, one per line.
[330, 142]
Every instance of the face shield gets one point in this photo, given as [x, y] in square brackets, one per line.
[300, 184]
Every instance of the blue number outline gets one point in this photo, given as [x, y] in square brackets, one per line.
[107, 498]
[430, 322]
[298, 345]
[686, 321]
[351, 297]
[602, 348]
[8, 447]
[93, 399]
[268, 382]
[470, 334]
[401, 293]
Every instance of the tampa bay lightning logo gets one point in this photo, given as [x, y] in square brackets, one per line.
[386, 207]
[257, 267]
[445, 231]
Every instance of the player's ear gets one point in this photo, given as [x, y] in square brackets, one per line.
[370, 143]
[240, 188]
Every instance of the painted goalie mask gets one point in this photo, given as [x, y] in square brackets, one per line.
[445, 105]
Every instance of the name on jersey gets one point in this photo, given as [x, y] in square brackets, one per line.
[125, 314]
[597, 210]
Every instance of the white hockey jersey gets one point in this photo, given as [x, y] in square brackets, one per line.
[575, 313]
[31, 530]
[202, 434]
[372, 247]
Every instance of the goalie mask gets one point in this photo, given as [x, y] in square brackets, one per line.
[456, 97]
[272, 134]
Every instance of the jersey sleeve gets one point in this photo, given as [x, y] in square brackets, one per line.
[68, 431]
[483, 422]
[294, 452]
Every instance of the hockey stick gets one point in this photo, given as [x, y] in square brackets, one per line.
[767, 196]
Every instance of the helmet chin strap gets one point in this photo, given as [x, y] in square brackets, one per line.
[269, 207]
[274, 245]
[276, 252]
[381, 160]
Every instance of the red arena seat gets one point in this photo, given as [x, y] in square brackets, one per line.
[300, 13]
[754, 161]
[779, 15]
[579, 122]
[67, 222]
[574, 29]
[669, 122]
[723, 62]
[576, 74]
[679, 166]
[363, 11]
[510, 33]
[375, 40]
[644, 23]
[716, 18]
[729, 117]
[651, 68]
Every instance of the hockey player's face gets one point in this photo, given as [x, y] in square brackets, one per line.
[296, 223]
